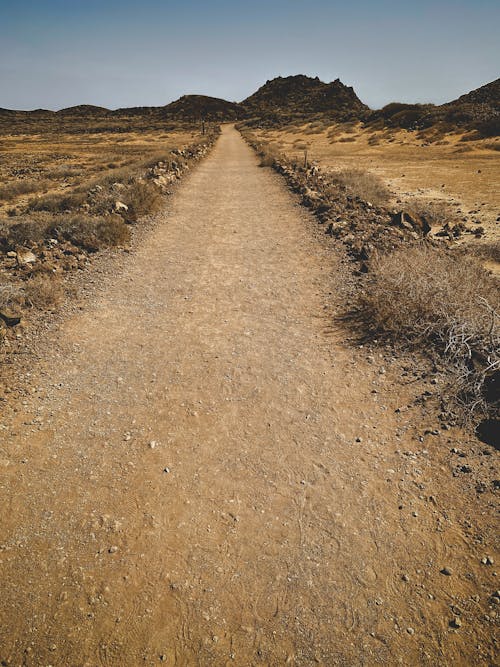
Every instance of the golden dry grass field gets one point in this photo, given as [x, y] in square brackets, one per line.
[414, 165]
[37, 164]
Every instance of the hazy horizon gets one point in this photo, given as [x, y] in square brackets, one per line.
[123, 54]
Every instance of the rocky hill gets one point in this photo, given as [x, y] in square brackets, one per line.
[290, 97]
[278, 101]
[478, 110]
[487, 94]
[194, 107]
[83, 110]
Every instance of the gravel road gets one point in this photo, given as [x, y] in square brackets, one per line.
[205, 475]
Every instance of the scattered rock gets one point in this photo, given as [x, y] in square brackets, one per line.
[10, 318]
[120, 206]
[25, 256]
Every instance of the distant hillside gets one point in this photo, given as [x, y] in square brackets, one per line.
[478, 110]
[88, 110]
[278, 101]
[289, 97]
[195, 107]
[487, 94]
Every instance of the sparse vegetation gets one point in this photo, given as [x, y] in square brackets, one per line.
[427, 299]
[142, 198]
[489, 251]
[43, 291]
[363, 184]
[64, 196]
[436, 213]
[89, 233]
[13, 189]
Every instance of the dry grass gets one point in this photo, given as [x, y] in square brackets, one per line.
[10, 295]
[435, 213]
[10, 191]
[268, 155]
[58, 203]
[43, 291]
[407, 163]
[490, 251]
[89, 233]
[363, 184]
[427, 299]
[142, 198]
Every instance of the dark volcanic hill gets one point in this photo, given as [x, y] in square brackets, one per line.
[295, 96]
[487, 94]
[278, 101]
[195, 107]
[479, 109]
[83, 110]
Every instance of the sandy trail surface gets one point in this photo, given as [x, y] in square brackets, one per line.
[204, 475]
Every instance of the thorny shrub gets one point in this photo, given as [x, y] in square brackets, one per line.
[426, 297]
[43, 291]
[363, 184]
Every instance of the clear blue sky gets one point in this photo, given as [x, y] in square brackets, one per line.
[57, 53]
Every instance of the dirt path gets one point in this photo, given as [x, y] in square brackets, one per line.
[185, 487]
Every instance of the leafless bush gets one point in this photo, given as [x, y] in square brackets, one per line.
[43, 291]
[143, 198]
[92, 233]
[425, 298]
[488, 251]
[24, 231]
[9, 191]
[269, 155]
[58, 203]
[363, 184]
[10, 295]
[435, 213]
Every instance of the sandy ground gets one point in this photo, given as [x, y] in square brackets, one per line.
[465, 174]
[203, 474]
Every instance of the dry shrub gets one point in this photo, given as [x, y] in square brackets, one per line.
[268, 156]
[10, 295]
[92, 233]
[435, 213]
[55, 203]
[142, 198]
[489, 251]
[24, 231]
[9, 191]
[428, 299]
[363, 184]
[345, 140]
[43, 291]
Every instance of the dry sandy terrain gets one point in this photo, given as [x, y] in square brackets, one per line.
[201, 473]
[56, 163]
[465, 174]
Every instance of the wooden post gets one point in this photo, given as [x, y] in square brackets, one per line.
[203, 126]
[305, 158]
